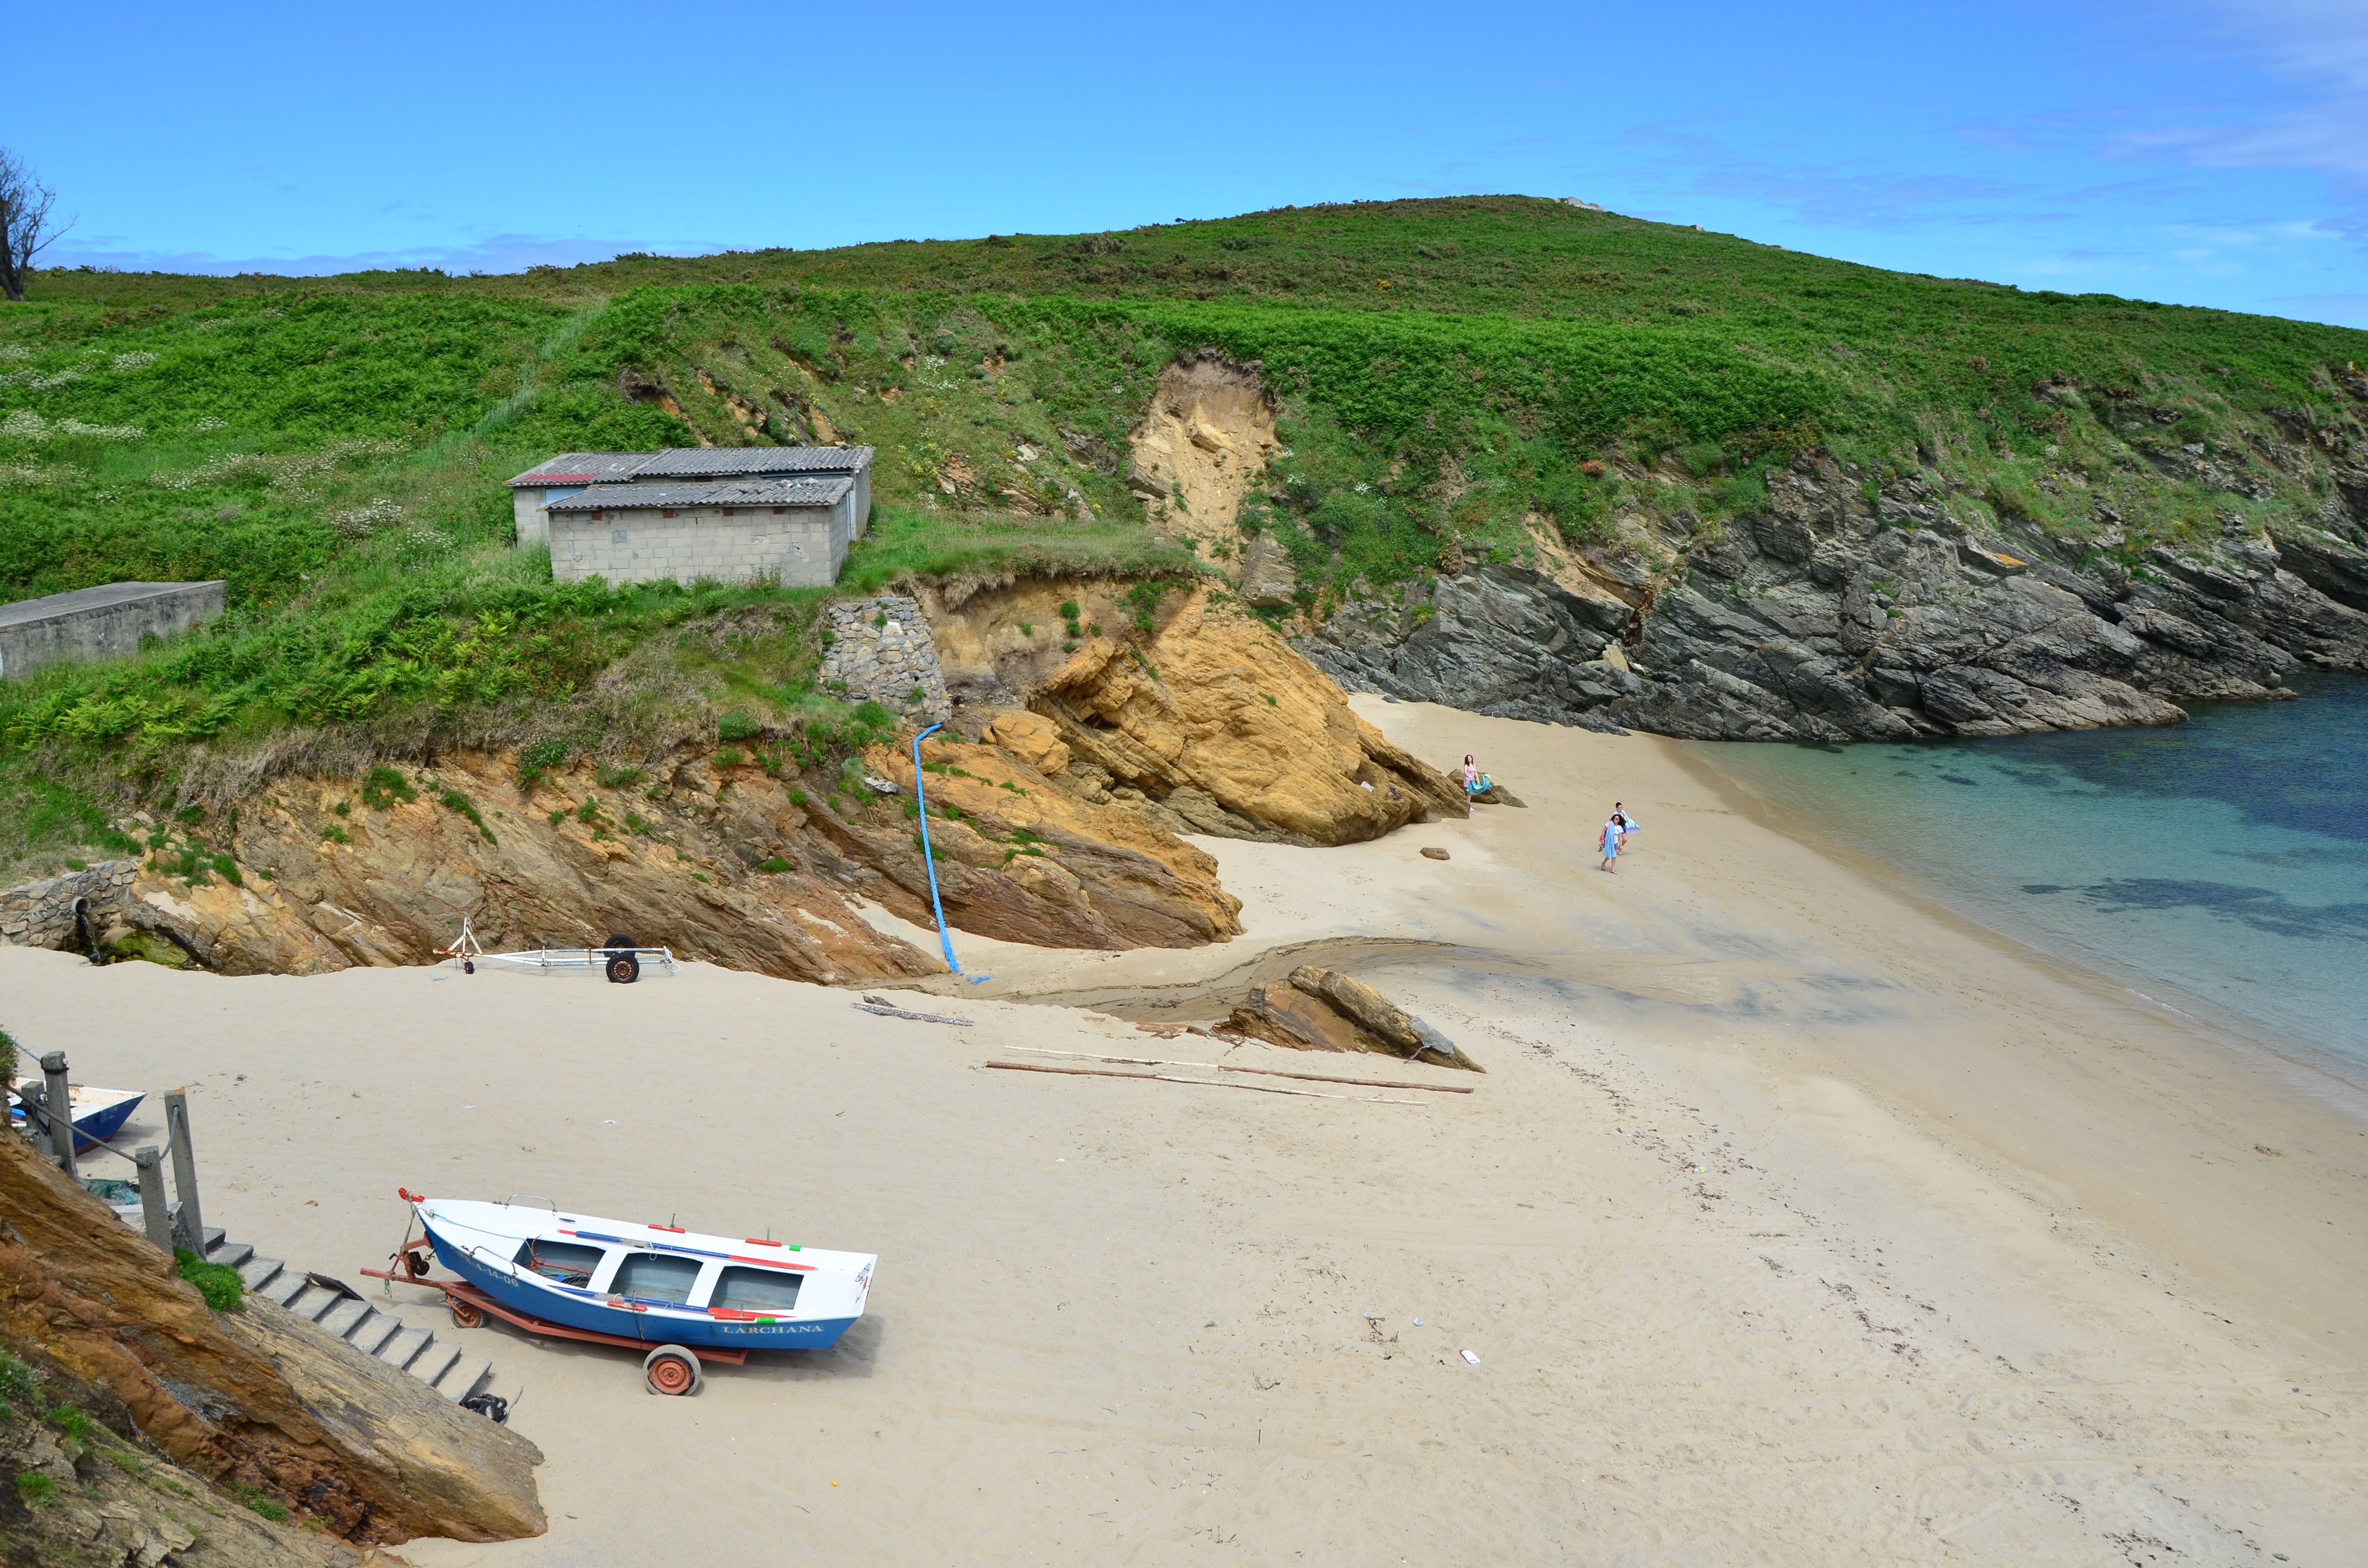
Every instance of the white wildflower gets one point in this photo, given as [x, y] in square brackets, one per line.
[24, 424]
[14, 353]
[102, 432]
[208, 423]
[133, 361]
[51, 383]
[364, 521]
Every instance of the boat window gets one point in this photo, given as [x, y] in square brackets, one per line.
[652, 1277]
[756, 1290]
[567, 1262]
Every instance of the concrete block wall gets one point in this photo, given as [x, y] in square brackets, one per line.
[99, 623]
[42, 914]
[802, 547]
[884, 662]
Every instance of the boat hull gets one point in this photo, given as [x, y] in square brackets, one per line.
[98, 1114]
[587, 1311]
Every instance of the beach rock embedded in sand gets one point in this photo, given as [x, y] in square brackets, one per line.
[103, 1316]
[1396, 1028]
[1322, 1009]
[1214, 702]
[1431, 852]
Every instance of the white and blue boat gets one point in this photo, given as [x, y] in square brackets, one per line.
[98, 1114]
[649, 1282]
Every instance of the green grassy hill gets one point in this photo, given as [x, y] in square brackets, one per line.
[1450, 371]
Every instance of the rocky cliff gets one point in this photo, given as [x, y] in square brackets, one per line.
[1845, 611]
[247, 1401]
[1068, 796]
[1179, 705]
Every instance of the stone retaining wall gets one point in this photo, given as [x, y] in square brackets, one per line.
[42, 914]
[881, 650]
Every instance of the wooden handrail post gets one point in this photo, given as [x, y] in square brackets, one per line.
[154, 1215]
[185, 1168]
[59, 1113]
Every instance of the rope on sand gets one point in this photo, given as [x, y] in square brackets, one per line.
[1229, 1067]
[1204, 1083]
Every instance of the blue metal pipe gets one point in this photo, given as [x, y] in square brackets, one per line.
[921, 798]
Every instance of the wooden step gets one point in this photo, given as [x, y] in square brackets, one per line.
[435, 1361]
[371, 1334]
[345, 1316]
[405, 1346]
[285, 1286]
[314, 1301]
[468, 1375]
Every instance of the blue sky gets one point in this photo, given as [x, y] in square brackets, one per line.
[2203, 152]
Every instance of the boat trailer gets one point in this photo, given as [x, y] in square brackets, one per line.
[668, 1369]
[620, 957]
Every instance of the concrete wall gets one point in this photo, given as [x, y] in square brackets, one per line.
[803, 547]
[99, 623]
[42, 914]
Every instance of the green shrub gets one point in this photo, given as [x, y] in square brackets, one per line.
[453, 800]
[737, 725]
[227, 869]
[773, 867]
[589, 810]
[333, 834]
[16, 1383]
[218, 1283]
[540, 760]
[262, 1502]
[382, 786]
[8, 1063]
[799, 799]
[34, 1489]
[730, 757]
[618, 777]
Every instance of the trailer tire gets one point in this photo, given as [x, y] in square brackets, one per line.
[671, 1370]
[625, 942]
[465, 1315]
[623, 968]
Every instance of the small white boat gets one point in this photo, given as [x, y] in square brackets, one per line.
[649, 1282]
[98, 1114]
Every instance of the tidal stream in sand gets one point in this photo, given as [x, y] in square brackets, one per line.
[2219, 867]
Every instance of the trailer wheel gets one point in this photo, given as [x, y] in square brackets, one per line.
[625, 942]
[623, 968]
[465, 1315]
[671, 1370]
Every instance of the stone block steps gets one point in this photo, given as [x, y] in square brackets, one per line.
[338, 1312]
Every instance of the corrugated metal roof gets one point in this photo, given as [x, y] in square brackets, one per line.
[823, 490]
[582, 468]
[687, 462]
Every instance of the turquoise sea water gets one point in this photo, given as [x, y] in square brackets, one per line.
[2218, 865]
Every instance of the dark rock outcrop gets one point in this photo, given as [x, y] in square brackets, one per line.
[1837, 615]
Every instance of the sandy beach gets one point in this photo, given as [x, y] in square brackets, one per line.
[1793, 1223]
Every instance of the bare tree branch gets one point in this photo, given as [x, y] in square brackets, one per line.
[25, 227]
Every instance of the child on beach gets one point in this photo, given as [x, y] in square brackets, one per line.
[1627, 824]
[1612, 846]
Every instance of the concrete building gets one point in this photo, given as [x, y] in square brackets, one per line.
[795, 531]
[99, 623]
[570, 473]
